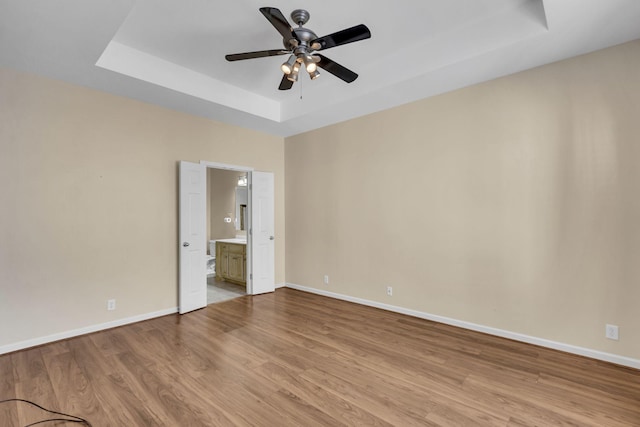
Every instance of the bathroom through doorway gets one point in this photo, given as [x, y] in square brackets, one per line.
[227, 225]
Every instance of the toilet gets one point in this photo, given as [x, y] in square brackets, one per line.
[211, 259]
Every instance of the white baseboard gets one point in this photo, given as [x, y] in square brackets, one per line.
[594, 354]
[86, 330]
[280, 285]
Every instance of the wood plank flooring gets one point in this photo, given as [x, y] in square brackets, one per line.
[295, 359]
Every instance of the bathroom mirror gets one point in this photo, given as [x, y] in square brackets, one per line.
[241, 207]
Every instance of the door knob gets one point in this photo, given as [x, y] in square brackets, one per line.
[271, 237]
[185, 244]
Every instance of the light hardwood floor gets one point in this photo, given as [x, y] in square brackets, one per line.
[292, 358]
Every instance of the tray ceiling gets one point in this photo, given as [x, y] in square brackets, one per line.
[171, 53]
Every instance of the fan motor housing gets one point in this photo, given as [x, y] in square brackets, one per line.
[304, 36]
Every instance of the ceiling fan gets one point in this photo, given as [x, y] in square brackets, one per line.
[301, 45]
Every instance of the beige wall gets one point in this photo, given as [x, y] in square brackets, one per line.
[222, 191]
[512, 204]
[88, 202]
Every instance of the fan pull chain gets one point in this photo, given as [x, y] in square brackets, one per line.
[300, 89]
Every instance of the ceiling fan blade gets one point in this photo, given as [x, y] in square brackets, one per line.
[349, 35]
[257, 54]
[280, 23]
[285, 84]
[336, 69]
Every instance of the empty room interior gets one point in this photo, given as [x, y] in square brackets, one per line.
[417, 213]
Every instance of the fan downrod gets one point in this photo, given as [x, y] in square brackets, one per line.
[300, 16]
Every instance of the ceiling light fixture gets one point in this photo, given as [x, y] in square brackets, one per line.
[293, 76]
[287, 67]
[310, 63]
[314, 75]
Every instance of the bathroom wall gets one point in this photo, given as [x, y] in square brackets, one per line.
[512, 204]
[222, 192]
[89, 203]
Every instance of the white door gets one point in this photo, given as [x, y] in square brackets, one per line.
[262, 233]
[193, 235]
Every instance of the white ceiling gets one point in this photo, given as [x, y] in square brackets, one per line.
[171, 52]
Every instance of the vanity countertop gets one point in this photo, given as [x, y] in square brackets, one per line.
[234, 240]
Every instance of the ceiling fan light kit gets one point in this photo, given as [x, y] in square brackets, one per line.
[293, 75]
[287, 67]
[301, 44]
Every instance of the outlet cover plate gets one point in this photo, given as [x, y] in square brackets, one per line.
[611, 332]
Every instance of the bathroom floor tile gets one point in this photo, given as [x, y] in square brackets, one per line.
[218, 291]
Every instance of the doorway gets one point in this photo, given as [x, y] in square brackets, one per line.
[193, 243]
[227, 225]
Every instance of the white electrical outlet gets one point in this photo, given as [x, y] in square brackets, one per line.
[390, 291]
[111, 304]
[326, 279]
[611, 332]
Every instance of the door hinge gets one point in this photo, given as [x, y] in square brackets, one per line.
[251, 276]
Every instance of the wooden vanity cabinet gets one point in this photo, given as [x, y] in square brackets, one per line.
[230, 262]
